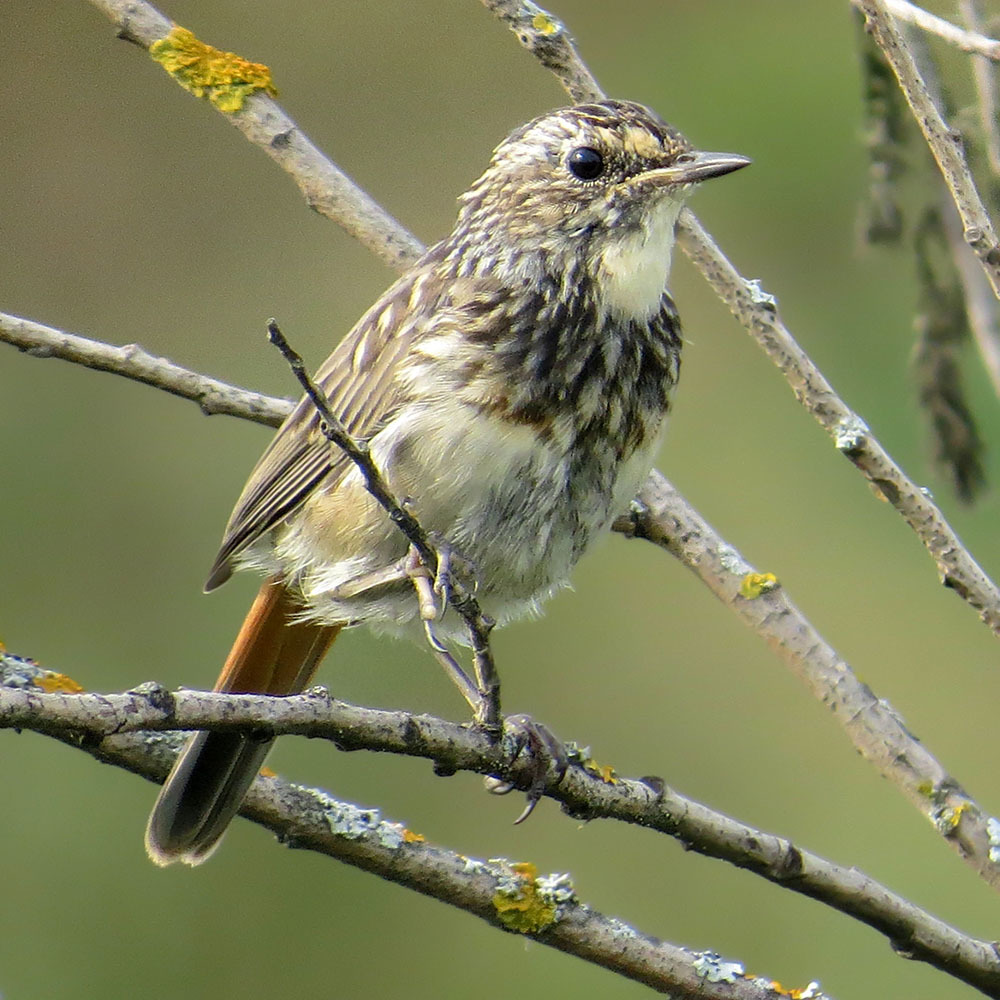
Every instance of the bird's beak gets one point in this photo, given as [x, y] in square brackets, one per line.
[692, 167]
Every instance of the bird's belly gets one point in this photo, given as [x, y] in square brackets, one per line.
[517, 509]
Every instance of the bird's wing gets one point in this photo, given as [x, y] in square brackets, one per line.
[358, 380]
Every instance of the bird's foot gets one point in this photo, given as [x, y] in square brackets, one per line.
[548, 760]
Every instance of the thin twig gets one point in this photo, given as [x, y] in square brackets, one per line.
[967, 41]
[460, 598]
[758, 313]
[986, 100]
[356, 450]
[211, 395]
[944, 142]
[582, 792]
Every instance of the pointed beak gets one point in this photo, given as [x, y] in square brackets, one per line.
[695, 166]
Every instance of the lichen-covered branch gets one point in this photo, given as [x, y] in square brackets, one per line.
[326, 188]
[509, 896]
[131, 361]
[312, 819]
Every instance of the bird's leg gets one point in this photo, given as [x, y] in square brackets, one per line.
[425, 589]
[547, 752]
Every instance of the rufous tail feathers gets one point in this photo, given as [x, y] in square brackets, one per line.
[273, 654]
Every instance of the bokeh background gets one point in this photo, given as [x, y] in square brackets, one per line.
[129, 211]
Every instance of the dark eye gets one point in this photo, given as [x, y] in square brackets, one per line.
[585, 163]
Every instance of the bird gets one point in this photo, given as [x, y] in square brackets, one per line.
[512, 386]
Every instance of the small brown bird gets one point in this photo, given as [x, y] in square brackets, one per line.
[512, 386]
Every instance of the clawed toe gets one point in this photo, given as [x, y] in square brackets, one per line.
[548, 756]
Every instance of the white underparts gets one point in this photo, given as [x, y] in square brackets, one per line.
[635, 268]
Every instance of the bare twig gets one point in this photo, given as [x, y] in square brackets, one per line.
[945, 143]
[966, 40]
[758, 313]
[986, 100]
[133, 362]
[460, 598]
[103, 719]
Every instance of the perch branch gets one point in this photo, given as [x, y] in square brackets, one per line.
[310, 819]
[131, 361]
[98, 722]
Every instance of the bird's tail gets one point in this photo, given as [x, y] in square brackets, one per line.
[273, 654]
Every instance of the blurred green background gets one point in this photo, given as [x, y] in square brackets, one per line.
[131, 212]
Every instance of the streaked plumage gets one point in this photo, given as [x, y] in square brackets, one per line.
[512, 385]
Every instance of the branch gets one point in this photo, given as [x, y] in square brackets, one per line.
[757, 312]
[944, 142]
[131, 361]
[966, 40]
[507, 896]
[326, 188]
[97, 722]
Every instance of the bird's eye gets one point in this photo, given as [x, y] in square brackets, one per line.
[585, 163]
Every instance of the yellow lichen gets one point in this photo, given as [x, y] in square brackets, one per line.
[755, 584]
[409, 837]
[51, 682]
[520, 907]
[225, 78]
[545, 24]
[605, 772]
